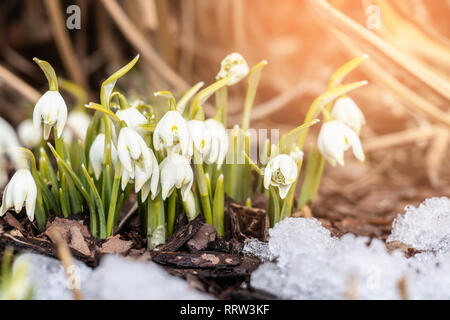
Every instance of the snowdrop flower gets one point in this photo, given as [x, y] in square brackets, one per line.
[52, 110]
[176, 172]
[346, 111]
[78, 123]
[139, 162]
[8, 137]
[28, 135]
[20, 189]
[233, 66]
[172, 133]
[132, 117]
[3, 172]
[97, 154]
[335, 138]
[201, 136]
[296, 154]
[280, 172]
[219, 142]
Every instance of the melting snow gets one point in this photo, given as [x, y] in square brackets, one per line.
[114, 278]
[311, 264]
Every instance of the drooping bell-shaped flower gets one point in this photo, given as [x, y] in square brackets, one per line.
[132, 117]
[21, 190]
[233, 66]
[335, 138]
[147, 181]
[97, 154]
[281, 172]
[50, 110]
[28, 135]
[176, 173]
[219, 142]
[172, 134]
[296, 154]
[77, 125]
[346, 111]
[139, 162]
[8, 137]
[200, 136]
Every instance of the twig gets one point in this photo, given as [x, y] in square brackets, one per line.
[345, 24]
[127, 216]
[64, 45]
[165, 37]
[394, 139]
[436, 155]
[64, 255]
[18, 84]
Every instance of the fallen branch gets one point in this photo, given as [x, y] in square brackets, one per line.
[18, 84]
[399, 138]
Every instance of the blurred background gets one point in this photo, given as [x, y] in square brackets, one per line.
[406, 103]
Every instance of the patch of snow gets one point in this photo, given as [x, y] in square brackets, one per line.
[426, 228]
[315, 265]
[48, 278]
[308, 263]
[123, 279]
[115, 278]
[260, 249]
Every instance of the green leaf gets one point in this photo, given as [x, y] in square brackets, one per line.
[204, 95]
[339, 75]
[291, 138]
[253, 82]
[99, 107]
[181, 105]
[109, 84]
[75, 90]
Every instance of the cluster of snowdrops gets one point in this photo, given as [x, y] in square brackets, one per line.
[166, 156]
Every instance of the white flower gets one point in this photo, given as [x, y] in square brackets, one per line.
[172, 134]
[52, 110]
[3, 172]
[8, 137]
[296, 154]
[78, 122]
[280, 172]
[200, 135]
[190, 208]
[97, 154]
[219, 142]
[335, 138]
[138, 161]
[234, 66]
[132, 117]
[28, 135]
[176, 172]
[346, 111]
[20, 189]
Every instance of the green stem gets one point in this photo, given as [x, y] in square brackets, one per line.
[202, 184]
[171, 210]
[218, 207]
[113, 203]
